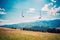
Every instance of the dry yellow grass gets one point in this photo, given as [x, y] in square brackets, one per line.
[17, 34]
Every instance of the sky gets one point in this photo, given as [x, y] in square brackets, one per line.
[14, 10]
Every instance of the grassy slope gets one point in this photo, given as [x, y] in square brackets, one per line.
[14, 34]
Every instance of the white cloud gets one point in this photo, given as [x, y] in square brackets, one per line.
[50, 3]
[2, 13]
[50, 11]
[55, 11]
[31, 10]
[45, 8]
[2, 9]
[58, 9]
[53, 0]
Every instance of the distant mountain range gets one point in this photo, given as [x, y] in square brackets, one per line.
[50, 23]
[43, 26]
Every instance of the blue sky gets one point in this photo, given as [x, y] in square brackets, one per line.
[14, 8]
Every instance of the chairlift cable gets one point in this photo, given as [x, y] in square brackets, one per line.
[40, 14]
[22, 14]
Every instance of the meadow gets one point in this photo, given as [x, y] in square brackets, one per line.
[18, 34]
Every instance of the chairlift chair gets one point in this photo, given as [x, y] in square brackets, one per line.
[40, 15]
